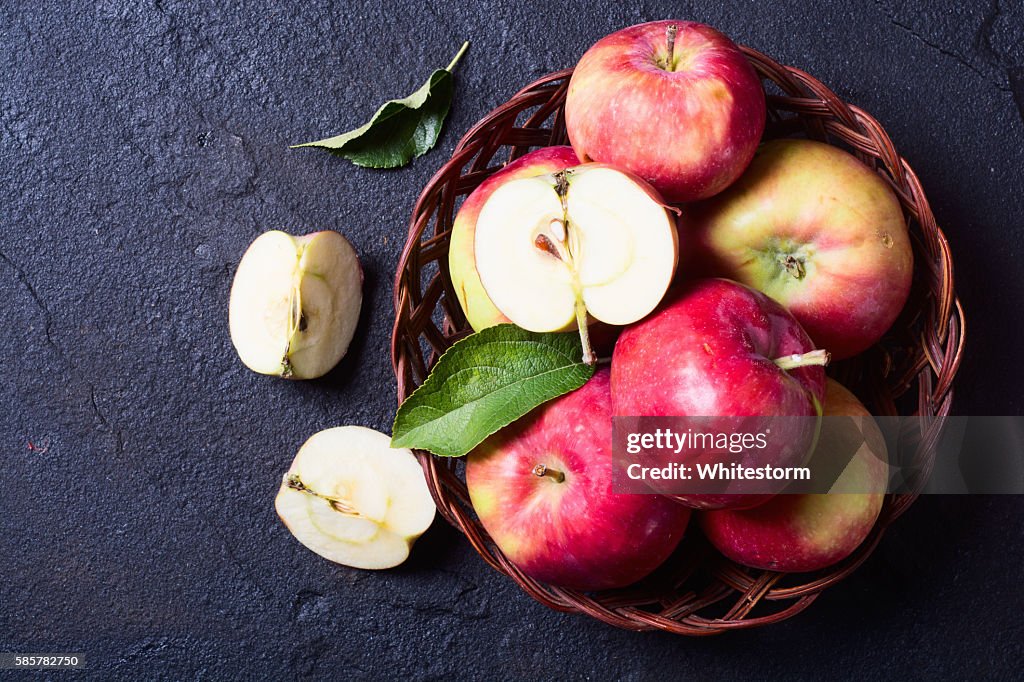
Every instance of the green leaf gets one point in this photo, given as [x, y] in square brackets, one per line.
[402, 129]
[484, 382]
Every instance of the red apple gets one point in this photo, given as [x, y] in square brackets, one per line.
[807, 532]
[675, 102]
[542, 489]
[476, 304]
[818, 231]
[719, 349]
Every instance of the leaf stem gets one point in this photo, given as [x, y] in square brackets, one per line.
[458, 56]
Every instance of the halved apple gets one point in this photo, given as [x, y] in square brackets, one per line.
[353, 499]
[590, 239]
[295, 303]
[480, 311]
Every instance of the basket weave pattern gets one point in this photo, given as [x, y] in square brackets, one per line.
[698, 592]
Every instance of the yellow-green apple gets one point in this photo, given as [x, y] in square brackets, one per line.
[353, 499]
[480, 311]
[295, 303]
[807, 532]
[591, 239]
[818, 231]
[542, 488]
[675, 102]
[721, 350]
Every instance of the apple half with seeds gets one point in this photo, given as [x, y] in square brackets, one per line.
[295, 303]
[480, 311]
[354, 500]
[592, 239]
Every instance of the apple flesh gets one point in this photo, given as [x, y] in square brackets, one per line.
[542, 490]
[594, 240]
[716, 348]
[295, 303]
[476, 304]
[818, 231]
[353, 499]
[807, 532]
[675, 102]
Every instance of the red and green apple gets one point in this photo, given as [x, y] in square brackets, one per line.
[675, 102]
[542, 488]
[818, 231]
[808, 532]
[476, 304]
[588, 242]
[719, 349]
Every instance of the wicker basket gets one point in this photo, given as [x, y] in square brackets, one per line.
[697, 592]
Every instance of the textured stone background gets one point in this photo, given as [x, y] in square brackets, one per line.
[143, 146]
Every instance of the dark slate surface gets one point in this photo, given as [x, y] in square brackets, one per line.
[143, 146]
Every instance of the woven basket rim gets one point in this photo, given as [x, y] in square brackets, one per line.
[727, 596]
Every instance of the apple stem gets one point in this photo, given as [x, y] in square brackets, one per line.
[581, 322]
[338, 504]
[462, 51]
[670, 38]
[543, 470]
[815, 358]
[562, 189]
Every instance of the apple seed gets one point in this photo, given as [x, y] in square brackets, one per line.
[543, 243]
